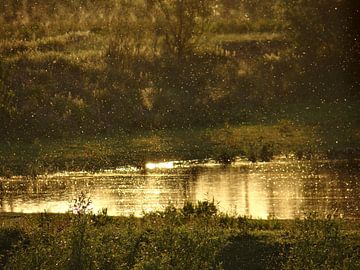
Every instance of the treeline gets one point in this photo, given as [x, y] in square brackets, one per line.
[88, 67]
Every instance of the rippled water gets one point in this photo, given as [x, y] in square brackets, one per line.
[281, 189]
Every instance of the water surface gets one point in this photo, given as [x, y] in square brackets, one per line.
[283, 188]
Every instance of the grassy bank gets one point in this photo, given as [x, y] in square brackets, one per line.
[252, 141]
[79, 67]
[195, 237]
[81, 88]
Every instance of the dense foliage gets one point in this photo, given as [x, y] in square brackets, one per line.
[195, 237]
[90, 67]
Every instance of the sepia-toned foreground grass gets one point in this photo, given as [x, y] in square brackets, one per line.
[194, 237]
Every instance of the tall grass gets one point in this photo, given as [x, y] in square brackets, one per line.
[194, 237]
[98, 68]
[320, 244]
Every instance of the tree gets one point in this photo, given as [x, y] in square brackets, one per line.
[181, 22]
[316, 27]
[319, 33]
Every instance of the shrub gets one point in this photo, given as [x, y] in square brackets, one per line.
[319, 244]
[247, 251]
[9, 238]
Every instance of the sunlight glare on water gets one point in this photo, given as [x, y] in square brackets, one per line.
[159, 165]
[286, 189]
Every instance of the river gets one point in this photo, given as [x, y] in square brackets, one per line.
[283, 188]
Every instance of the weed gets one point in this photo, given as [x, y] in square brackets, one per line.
[201, 209]
[81, 205]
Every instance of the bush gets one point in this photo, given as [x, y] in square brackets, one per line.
[319, 244]
[247, 251]
[10, 238]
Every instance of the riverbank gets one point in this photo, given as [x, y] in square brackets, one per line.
[194, 237]
[81, 89]
[93, 73]
[254, 142]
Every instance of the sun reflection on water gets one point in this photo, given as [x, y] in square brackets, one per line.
[282, 190]
[159, 165]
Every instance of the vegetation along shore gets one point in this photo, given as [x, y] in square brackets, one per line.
[93, 84]
[194, 237]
